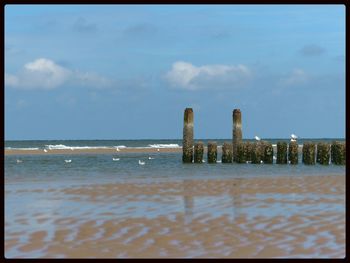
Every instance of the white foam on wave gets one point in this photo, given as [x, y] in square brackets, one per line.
[67, 147]
[24, 149]
[64, 147]
[170, 145]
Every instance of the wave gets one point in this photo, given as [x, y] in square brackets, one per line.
[170, 145]
[64, 147]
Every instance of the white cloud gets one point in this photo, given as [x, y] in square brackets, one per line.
[296, 77]
[187, 76]
[45, 74]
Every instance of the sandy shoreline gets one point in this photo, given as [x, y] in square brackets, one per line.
[302, 216]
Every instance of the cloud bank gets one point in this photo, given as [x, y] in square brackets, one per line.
[185, 75]
[312, 50]
[45, 74]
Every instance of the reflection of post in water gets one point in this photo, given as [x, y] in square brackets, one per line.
[235, 198]
[188, 201]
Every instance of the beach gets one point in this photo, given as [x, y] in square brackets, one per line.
[174, 131]
[94, 199]
[289, 216]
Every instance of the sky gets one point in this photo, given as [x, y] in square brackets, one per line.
[129, 71]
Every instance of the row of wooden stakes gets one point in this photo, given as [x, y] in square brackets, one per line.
[263, 152]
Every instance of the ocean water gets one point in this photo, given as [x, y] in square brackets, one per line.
[157, 165]
[64, 144]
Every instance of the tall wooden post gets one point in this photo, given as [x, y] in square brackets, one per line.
[187, 142]
[236, 131]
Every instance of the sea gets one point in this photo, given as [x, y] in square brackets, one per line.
[126, 165]
[36, 186]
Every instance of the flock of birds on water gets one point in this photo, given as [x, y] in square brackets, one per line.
[293, 138]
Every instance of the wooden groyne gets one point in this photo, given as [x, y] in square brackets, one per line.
[259, 151]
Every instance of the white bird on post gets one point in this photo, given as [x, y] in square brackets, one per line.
[293, 137]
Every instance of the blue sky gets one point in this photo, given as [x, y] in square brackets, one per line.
[129, 71]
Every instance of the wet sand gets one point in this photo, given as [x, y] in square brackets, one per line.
[282, 217]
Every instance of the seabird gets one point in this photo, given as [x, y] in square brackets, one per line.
[68, 161]
[45, 150]
[257, 138]
[293, 137]
[141, 163]
[150, 158]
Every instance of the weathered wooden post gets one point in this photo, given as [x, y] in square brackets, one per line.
[309, 153]
[281, 153]
[323, 153]
[248, 149]
[227, 152]
[212, 152]
[198, 152]
[237, 131]
[187, 142]
[241, 152]
[338, 153]
[268, 153]
[258, 152]
[293, 152]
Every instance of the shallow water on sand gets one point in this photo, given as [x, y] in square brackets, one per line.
[97, 207]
